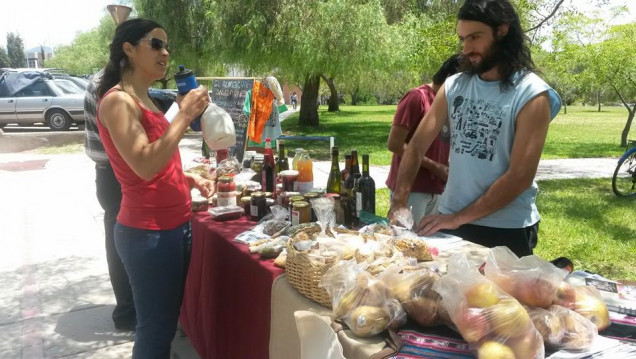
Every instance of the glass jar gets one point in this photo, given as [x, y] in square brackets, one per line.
[300, 213]
[291, 202]
[308, 197]
[258, 206]
[226, 192]
[245, 203]
[257, 166]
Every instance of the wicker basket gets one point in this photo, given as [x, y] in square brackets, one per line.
[304, 274]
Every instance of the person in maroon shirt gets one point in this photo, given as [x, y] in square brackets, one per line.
[431, 178]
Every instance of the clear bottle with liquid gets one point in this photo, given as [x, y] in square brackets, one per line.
[305, 181]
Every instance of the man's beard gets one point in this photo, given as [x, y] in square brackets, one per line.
[489, 59]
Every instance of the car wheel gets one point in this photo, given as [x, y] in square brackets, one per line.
[58, 120]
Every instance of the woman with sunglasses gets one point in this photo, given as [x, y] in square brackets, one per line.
[152, 232]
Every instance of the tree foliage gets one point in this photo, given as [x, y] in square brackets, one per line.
[15, 50]
[4, 58]
[88, 51]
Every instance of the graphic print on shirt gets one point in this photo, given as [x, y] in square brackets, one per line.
[476, 127]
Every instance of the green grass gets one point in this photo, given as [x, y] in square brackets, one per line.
[583, 220]
[53, 150]
[582, 133]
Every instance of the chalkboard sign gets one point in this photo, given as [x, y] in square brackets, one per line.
[230, 94]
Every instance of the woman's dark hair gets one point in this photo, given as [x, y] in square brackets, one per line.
[448, 68]
[130, 31]
[514, 52]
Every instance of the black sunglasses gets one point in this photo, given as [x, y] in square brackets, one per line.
[157, 44]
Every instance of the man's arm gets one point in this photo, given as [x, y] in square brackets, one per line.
[416, 149]
[397, 144]
[531, 131]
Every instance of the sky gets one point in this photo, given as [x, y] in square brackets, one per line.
[56, 22]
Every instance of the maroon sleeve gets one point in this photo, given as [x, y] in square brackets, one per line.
[410, 110]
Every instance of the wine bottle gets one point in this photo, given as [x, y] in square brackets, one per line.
[282, 164]
[365, 190]
[268, 174]
[345, 171]
[334, 181]
[353, 169]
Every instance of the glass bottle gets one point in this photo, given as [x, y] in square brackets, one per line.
[345, 171]
[268, 173]
[365, 190]
[353, 169]
[305, 181]
[268, 151]
[299, 152]
[335, 180]
[282, 164]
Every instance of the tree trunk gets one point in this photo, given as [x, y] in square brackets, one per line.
[308, 101]
[333, 99]
[354, 96]
[565, 107]
[628, 125]
[598, 100]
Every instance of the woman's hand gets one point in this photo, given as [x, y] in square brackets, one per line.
[195, 102]
[205, 186]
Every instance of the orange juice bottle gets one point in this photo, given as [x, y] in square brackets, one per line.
[305, 182]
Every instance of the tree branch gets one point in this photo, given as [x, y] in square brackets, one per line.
[547, 18]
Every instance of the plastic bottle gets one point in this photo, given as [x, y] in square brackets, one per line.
[296, 158]
[305, 173]
[185, 82]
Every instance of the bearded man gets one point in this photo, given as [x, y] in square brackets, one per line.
[499, 111]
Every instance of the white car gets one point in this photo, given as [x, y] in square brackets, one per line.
[29, 97]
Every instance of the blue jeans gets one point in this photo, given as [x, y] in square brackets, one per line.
[156, 262]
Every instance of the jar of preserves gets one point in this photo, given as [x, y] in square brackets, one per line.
[308, 197]
[300, 212]
[245, 203]
[226, 192]
[258, 206]
[293, 199]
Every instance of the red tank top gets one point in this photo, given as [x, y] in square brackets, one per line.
[162, 203]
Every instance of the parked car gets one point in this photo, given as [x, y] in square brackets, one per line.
[31, 96]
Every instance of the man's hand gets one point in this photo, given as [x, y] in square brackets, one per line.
[431, 224]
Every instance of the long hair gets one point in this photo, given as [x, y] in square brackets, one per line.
[513, 50]
[448, 68]
[130, 31]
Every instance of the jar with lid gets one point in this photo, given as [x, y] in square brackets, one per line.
[258, 206]
[257, 166]
[245, 203]
[226, 192]
[300, 213]
[292, 200]
[308, 197]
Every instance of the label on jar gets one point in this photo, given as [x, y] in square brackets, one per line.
[254, 210]
[304, 187]
[226, 199]
[358, 204]
[295, 218]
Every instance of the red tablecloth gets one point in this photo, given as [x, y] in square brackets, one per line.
[226, 304]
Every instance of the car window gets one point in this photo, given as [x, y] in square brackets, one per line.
[36, 89]
[68, 87]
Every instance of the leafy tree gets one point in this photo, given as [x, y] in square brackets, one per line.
[88, 51]
[4, 58]
[15, 50]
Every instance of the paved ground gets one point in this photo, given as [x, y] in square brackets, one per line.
[55, 296]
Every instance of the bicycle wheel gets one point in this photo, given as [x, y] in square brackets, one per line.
[624, 179]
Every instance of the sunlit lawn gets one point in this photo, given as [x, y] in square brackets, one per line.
[582, 133]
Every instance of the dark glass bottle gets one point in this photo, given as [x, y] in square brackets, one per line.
[365, 190]
[345, 171]
[353, 169]
[334, 181]
[268, 174]
[282, 164]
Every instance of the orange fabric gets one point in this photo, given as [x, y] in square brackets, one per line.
[262, 98]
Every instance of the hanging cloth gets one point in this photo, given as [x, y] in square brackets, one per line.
[262, 98]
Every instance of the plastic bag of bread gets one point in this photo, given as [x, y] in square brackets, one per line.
[531, 280]
[412, 246]
[494, 323]
[562, 328]
[362, 302]
[414, 289]
[584, 300]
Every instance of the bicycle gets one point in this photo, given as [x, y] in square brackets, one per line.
[624, 179]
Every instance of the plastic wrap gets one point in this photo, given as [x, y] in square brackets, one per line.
[226, 213]
[563, 328]
[276, 222]
[360, 300]
[324, 209]
[531, 280]
[228, 167]
[490, 320]
[403, 217]
[584, 300]
[414, 290]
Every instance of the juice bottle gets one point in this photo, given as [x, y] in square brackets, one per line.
[305, 173]
[299, 152]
